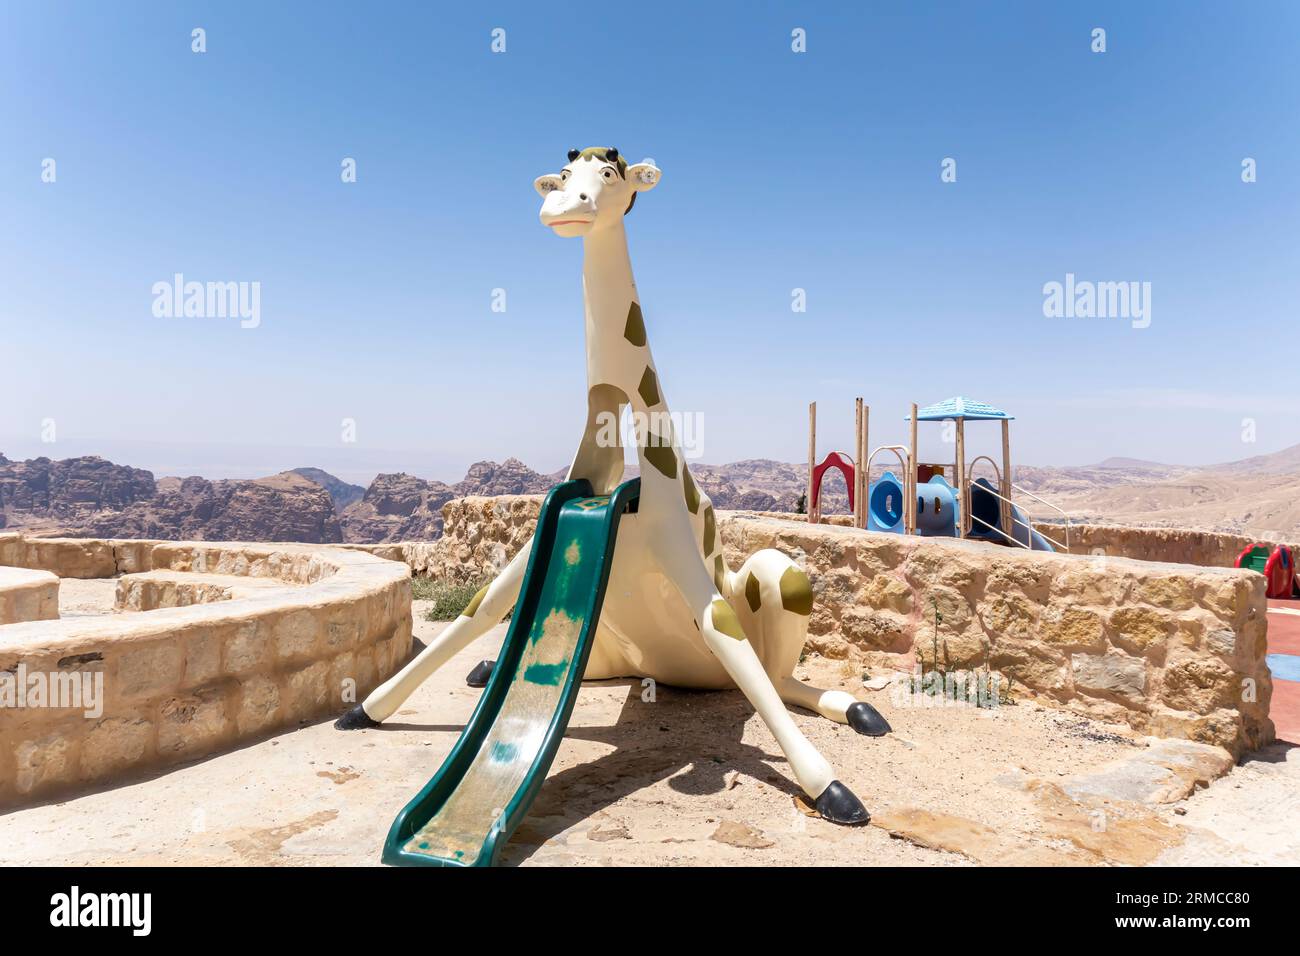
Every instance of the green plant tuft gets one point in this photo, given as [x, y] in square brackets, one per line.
[449, 600]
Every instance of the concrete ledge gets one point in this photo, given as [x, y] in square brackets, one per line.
[138, 691]
[27, 595]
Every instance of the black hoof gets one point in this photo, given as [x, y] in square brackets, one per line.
[355, 719]
[865, 719]
[478, 677]
[838, 805]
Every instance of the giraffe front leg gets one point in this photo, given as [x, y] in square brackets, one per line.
[726, 639]
[485, 611]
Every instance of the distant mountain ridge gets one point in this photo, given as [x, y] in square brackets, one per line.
[95, 497]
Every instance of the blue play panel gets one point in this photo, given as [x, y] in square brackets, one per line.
[1284, 666]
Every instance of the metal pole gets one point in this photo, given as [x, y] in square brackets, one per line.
[1006, 477]
[909, 486]
[962, 495]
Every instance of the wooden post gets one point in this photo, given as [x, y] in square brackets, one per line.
[1005, 490]
[812, 460]
[864, 482]
[909, 485]
[859, 459]
[962, 492]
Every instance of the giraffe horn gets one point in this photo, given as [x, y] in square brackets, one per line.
[611, 154]
[574, 154]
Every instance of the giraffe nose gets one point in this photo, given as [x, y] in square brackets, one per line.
[582, 196]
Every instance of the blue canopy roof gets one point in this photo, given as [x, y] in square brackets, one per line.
[960, 408]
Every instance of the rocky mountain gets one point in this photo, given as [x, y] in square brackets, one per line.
[70, 490]
[340, 492]
[511, 477]
[284, 507]
[94, 497]
[397, 507]
[401, 507]
[761, 484]
[1284, 462]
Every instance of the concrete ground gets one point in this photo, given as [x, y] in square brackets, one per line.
[696, 778]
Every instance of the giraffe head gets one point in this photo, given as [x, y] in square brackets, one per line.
[594, 191]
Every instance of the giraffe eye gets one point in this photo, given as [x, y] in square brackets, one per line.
[564, 176]
[608, 174]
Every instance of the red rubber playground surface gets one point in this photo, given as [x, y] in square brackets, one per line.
[1284, 638]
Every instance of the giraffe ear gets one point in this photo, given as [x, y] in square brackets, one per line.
[643, 176]
[545, 185]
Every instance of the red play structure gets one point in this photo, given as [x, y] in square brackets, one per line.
[834, 460]
[1277, 565]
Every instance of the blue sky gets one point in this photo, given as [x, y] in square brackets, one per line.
[818, 170]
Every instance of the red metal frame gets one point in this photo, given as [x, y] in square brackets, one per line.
[834, 460]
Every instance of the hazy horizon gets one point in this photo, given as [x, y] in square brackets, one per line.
[213, 460]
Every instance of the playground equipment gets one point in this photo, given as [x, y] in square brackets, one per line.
[919, 499]
[1277, 564]
[484, 788]
[662, 604]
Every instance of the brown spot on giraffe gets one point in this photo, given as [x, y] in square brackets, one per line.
[649, 388]
[634, 330]
[660, 455]
[690, 491]
[796, 591]
[710, 530]
[474, 602]
[752, 593]
[725, 620]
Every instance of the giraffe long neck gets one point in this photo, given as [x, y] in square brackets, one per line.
[618, 351]
[620, 368]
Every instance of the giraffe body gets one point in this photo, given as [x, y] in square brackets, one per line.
[673, 612]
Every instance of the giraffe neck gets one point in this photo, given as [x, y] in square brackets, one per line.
[620, 369]
[618, 351]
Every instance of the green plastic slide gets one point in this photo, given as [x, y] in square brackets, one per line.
[480, 794]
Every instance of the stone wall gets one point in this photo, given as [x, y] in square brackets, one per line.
[72, 557]
[1209, 549]
[183, 682]
[479, 536]
[27, 595]
[1173, 650]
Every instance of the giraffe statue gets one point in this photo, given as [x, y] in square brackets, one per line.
[673, 611]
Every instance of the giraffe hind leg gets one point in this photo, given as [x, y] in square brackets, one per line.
[720, 628]
[773, 598]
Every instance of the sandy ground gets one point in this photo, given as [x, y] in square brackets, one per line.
[686, 778]
[1250, 817]
[86, 597]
